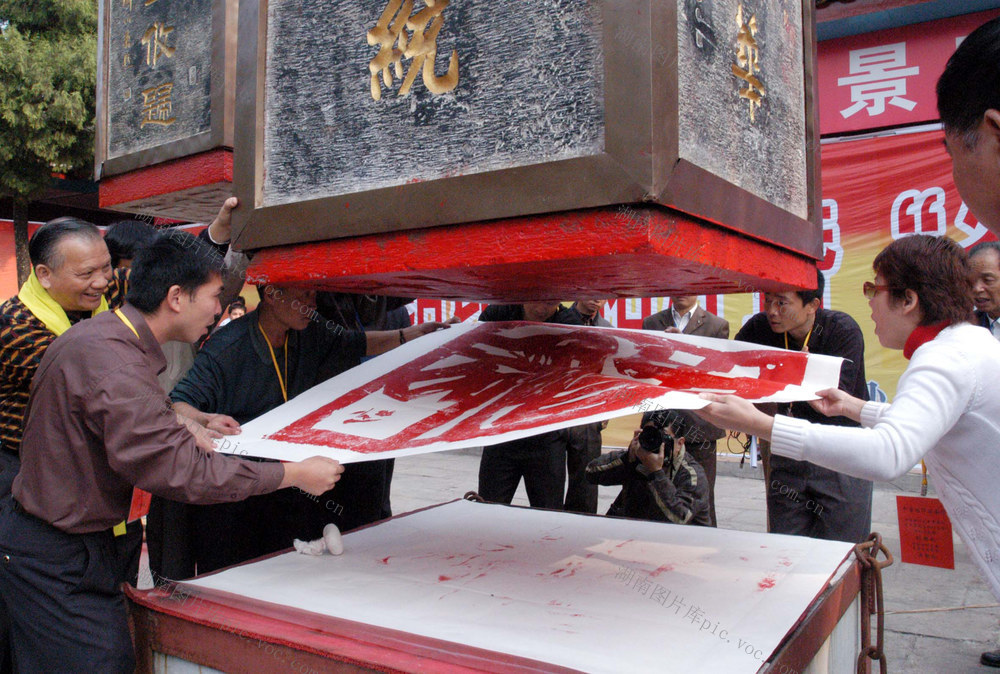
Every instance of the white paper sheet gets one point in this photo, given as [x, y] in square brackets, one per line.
[483, 383]
[589, 593]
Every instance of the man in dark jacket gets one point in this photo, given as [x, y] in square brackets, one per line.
[804, 499]
[701, 438]
[985, 262]
[539, 459]
[583, 443]
[655, 486]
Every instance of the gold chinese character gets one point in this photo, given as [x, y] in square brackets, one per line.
[126, 57]
[149, 2]
[155, 39]
[127, 4]
[746, 56]
[420, 47]
[156, 106]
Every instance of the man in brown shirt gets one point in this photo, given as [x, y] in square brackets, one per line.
[98, 424]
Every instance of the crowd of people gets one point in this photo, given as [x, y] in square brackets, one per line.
[95, 404]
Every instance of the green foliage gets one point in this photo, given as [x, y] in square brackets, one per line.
[48, 71]
[50, 16]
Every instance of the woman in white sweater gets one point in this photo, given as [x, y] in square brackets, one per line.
[947, 405]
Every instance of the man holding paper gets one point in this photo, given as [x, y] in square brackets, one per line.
[250, 367]
[98, 424]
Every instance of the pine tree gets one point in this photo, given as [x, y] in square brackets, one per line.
[48, 70]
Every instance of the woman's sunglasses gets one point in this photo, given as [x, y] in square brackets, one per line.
[870, 290]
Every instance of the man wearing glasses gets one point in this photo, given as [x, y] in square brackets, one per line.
[804, 499]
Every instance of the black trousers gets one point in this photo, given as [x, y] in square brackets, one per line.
[63, 596]
[10, 464]
[804, 499]
[705, 454]
[540, 460]
[583, 445]
[185, 538]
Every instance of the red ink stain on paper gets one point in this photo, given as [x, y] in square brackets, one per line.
[441, 579]
[665, 567]
[503, 548]
[745, 559]
[555, 602]
[551, 538]
[785, 561]
[766, 584]
[385, 560]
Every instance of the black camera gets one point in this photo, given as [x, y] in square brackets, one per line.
[650, 439]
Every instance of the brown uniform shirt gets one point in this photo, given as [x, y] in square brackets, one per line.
[99, 423]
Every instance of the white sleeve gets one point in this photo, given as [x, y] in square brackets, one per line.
[872, 412]
[932, 394]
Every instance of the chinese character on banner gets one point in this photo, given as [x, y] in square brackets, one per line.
[878, 75]
[915, 200]
[833, 252]
[156, 105]
[155, 40]
[747, 64]
[973, 234]
[420, 45]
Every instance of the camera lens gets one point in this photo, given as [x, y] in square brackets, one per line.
[651, 438]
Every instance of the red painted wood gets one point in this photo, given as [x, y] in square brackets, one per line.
[624, 252]
[233, 633]
[206, 168]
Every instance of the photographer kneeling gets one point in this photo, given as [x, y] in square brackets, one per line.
[653, 486]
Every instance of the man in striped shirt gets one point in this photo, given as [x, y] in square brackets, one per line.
[71, 273]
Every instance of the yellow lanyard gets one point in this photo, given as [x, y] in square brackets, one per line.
[270, 349]
[120, 528]
[805, 344]
[126, 321]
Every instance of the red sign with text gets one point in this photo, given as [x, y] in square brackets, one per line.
[925, 532]
[887, 78]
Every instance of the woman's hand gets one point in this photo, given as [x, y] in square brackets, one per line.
[836, 403]
[735, 413]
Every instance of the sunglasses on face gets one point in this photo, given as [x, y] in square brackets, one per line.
[870, 290]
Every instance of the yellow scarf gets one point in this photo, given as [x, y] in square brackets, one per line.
[46, 309]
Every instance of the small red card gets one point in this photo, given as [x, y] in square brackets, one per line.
[925, 532]
[140, 504]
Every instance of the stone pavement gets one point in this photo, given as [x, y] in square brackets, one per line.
[917, 640]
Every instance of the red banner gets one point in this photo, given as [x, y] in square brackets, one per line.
[887, 78]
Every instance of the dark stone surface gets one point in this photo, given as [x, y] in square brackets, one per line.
[530, 90]
[765, 156]
[188, 70]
